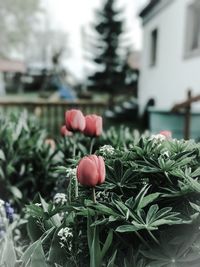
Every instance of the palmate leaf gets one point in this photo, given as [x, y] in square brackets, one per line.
[148, 165]
[162, 164]
[187, 179]
[150, 220]
[175, 192]
[133, 258]
[146, 148]
[117, 176]
[179, 146]
[176, 252]
[142, 199]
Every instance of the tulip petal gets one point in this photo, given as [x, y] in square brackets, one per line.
[99, 123]
[102, 171]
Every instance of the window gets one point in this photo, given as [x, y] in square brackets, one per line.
[193, 28]
[154, 44]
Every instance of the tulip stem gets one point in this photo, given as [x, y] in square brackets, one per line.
[94, 195]
[74, 145]
[91, 144]
[76, 188]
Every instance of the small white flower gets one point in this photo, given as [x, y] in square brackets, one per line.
[107, 150]
[60, 198]
[61, 244]
[65, 233]
[38, 204]
[71, 172]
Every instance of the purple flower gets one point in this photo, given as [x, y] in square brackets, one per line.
[9, 211]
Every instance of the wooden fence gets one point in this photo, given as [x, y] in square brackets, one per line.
[51, 113]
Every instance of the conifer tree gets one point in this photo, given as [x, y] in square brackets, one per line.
[108, 50]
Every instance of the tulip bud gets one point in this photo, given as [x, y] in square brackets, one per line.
[74, 120]
[93, 126]
[65, 132]
[167, 134]
[91, 171]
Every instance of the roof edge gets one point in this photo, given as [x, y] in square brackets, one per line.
[148, 8]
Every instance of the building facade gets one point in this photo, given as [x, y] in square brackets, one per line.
[170, 62]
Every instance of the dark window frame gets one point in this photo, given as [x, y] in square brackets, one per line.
[154, 47]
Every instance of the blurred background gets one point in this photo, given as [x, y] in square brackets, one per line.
[128, 60]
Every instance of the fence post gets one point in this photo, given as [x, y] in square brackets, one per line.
[187, 116]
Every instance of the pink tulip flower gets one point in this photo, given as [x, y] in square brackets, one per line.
[91, 171]
[93, 126]
[74, 120]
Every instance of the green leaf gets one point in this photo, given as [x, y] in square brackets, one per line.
[8, 255]
[151, 213]
[27, 254]
[195, 206]
[38, 257]
[16, 192]
[118, 167]
[34, 230]
[147, 200]
[128, 228]
[107, 243]
[2, 155]
[195, 173]
[89, 231]
[104, 209]
[25, 258]
[34, 211]
[111, 261]
[95, 251]
[56, 253]
[140, 196]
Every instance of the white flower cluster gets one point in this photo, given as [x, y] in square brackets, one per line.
[60, 198]
[107, 150]
[65, 234]
[158, 137]
[71, 172]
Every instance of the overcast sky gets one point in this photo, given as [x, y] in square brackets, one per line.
[72, 15]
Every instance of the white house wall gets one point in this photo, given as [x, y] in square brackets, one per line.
[168, 81]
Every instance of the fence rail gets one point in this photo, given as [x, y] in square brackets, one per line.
[51, 113]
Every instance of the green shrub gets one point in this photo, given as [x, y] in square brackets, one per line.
[147, 211]
[26, 160]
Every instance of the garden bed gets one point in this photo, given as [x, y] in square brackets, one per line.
[92, 198]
